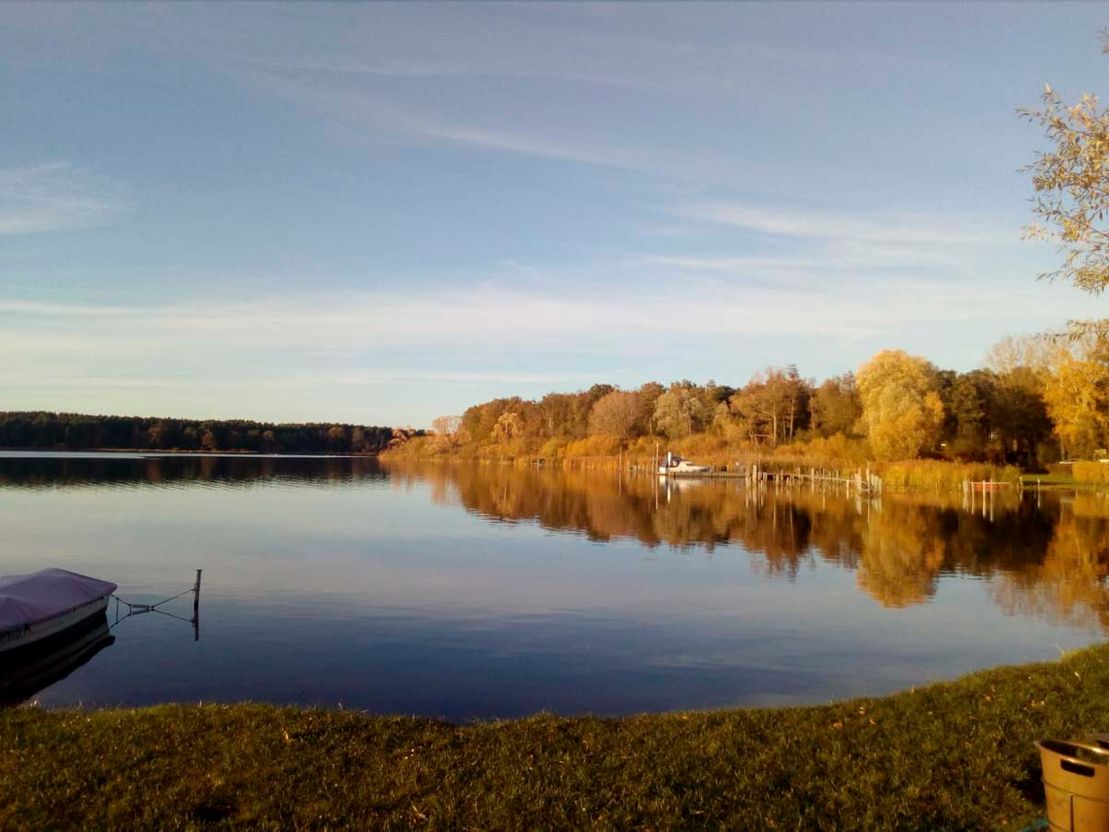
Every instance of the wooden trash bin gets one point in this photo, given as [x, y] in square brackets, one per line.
[1076, 784]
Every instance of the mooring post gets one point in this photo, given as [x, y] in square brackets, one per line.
[196, 607]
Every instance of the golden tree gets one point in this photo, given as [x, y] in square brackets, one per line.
[1077, 395]
[679, 412]
[614, 414]
[902, 410]
[508, 426]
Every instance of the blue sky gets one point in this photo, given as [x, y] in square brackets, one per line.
[384, 213]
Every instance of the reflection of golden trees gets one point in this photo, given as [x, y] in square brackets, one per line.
[903, 552]
[838, 525]
[602, 507]
[679, 514]
[1047, 560]
[1091, 506]
[782, 527]
[1071, 584]
[1050, 560]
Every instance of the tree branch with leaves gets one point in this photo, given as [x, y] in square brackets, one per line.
[1071, 181]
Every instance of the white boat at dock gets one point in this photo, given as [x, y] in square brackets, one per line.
[674, 465]
[43, 604]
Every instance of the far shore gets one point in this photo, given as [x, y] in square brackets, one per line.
[174, 452]
[913, 475]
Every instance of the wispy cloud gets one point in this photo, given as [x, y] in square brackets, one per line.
[623, 88]
[381, 375]
[808, 246]
[728, 263]
[370, 110]
[826, 259]
[367, 376]
[55, 197]
[848, 228]
[370, 356]
[504, 319]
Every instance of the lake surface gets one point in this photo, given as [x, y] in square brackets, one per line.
[467, 592]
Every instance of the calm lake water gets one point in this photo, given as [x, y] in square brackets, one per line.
[469, 592]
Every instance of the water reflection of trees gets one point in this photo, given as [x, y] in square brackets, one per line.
[131, 470]
[1069, 583]
[1043, 556]
[902, 555]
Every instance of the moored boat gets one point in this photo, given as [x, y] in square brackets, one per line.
[674, 464]
[42, 604]
[32, 668]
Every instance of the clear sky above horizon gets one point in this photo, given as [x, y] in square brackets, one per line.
[383, 213]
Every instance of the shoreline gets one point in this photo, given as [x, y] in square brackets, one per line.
[45, 453]
[954, 754]
[908, 476]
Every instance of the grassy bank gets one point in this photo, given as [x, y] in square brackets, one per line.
[948, 756]
[1081, 474]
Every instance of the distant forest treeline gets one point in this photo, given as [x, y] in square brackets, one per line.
[75, 431]
[1039, 399]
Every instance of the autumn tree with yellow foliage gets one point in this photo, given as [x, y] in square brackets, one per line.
[1077, 396]
[902, 409]
[615, 414]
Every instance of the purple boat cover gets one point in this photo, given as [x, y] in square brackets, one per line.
[26, 599]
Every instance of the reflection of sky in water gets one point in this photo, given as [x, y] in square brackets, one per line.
[370, 593]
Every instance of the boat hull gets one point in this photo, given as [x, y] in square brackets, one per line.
[38, 630]
[38, 665]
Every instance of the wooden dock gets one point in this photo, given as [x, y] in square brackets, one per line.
[987, 488]
[863, 481]
[984, 485]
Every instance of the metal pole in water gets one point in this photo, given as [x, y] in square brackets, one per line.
[196, 607]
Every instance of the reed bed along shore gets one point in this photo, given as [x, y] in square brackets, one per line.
[1091, 473]
[955, 756]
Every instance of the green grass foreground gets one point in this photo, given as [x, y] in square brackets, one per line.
[956, 755]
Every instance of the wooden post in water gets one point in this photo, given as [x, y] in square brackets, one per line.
[196, 607]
